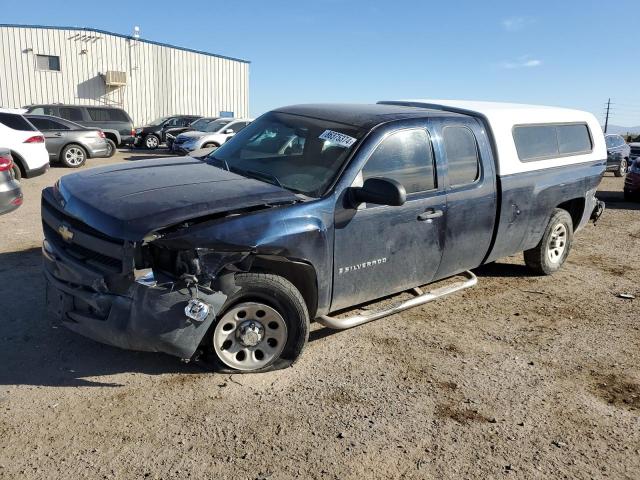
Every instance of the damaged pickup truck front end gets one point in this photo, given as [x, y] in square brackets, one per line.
[125, 282]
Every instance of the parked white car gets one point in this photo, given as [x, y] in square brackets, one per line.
[216, 133]
[25, 143]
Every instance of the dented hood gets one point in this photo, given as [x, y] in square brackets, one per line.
[128, 201]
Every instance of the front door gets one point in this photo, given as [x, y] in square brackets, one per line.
[381, 250]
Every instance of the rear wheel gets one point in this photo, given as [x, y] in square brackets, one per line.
[266, 324]
[73, 156]
[622, 168]
[550, 254]
[111, 145]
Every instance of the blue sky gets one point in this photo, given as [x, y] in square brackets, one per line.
[568, 53]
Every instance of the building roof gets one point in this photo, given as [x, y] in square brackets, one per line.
[361, 115]
[129, 37]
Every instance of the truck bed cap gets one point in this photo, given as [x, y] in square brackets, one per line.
[500, 118]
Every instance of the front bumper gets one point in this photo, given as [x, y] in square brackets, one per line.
[147, 317]
[632, 184]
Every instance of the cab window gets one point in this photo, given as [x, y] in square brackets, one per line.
[405, 156]
[462, 155]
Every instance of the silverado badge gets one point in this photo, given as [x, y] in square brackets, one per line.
[65, 233]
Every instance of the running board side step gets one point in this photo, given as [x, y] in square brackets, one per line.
[420, 299]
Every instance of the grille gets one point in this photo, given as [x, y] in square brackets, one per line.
[88, 246]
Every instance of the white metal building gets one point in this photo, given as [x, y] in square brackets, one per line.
[42, 64]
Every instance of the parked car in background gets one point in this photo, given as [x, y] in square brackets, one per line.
[618, 154]
[10, 191]
[198, 126]
[152, 135]
[632, 181]
[114, 122]
[215, 134]
[69, 142]
[25, 142]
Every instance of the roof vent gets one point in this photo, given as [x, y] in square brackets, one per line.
[115, 79]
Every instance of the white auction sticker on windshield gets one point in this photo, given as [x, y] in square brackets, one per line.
[337, 138]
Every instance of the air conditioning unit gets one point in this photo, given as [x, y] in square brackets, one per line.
[115, 79]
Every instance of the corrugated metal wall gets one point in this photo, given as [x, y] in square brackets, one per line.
[161, 80]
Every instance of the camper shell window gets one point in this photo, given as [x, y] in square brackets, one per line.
[539, 142]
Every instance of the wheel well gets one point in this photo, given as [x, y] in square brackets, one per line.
[111, 136]
[210, 143]
[20, 162]
[575, 207]
[302, 275]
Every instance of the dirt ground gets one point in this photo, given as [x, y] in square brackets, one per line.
[522, 377]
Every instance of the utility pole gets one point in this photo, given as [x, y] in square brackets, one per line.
[606, 121]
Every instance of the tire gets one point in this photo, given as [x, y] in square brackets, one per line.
[17, 174]
[151, 142]
[550, 254]
[211, 145]
[73, 156]
[263, 326]
[112, 147]
[622, 168]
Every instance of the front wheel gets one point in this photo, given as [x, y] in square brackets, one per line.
[550, 254]
[151, 142]
[73, 156]
[265, 325]
[622, 168]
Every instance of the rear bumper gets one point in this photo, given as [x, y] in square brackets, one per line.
[10, 196]
[146, 318]
[34, 172]
[98, 151]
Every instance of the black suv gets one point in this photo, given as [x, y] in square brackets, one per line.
[114, 122]
[155, 133]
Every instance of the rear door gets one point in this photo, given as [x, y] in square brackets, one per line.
[381, 250]
[471, 195]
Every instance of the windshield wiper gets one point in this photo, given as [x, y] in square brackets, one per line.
[224, 162]
[259, 175]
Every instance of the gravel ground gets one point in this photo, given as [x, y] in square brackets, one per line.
[523, 377]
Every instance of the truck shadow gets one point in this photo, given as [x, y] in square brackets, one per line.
[616, 201]
[36, 352]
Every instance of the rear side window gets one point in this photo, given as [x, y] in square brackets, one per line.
[46, 124]
[405, 156]
[462, 155]
[536, 142]
[16, 122]
[71, 113]
[107, 115]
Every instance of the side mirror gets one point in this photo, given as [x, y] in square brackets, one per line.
[381, 191]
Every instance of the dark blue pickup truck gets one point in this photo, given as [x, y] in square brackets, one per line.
[307, 212]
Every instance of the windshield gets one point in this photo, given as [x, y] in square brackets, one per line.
[200, 124]
[216, 125]
[298, 153]
[158, 121]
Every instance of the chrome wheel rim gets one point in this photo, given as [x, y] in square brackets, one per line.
[557, 243]
[110, 148]
[74, 156]
[623, 167]
[152, 141]
[250, 336]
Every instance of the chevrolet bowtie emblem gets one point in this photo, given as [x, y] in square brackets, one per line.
[65, 233]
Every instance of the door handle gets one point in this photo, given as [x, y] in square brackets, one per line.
[57, 134]
[430, 214]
